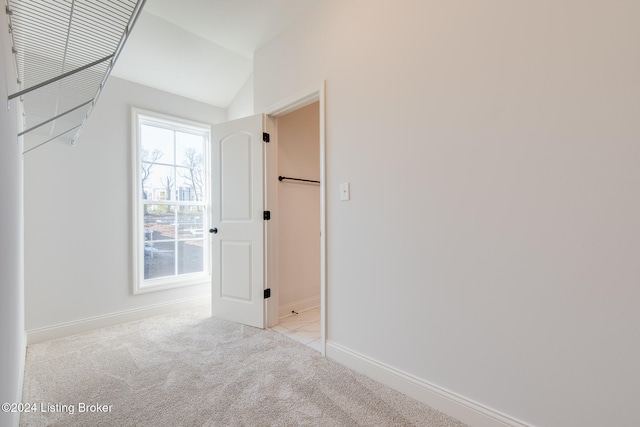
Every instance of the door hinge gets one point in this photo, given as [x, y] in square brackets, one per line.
[265, 137]
[267, 293]
[267, 215]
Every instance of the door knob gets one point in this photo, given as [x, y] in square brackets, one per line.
[213, 230]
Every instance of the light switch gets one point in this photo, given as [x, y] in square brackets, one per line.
[344, 191]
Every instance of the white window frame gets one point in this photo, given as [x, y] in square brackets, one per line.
[140, 285]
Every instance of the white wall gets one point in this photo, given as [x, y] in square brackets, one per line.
[298, 210]
[78, 214]
[12, 347]
[491, 244]
[242, 104]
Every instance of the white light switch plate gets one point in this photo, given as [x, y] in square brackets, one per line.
[344, 191]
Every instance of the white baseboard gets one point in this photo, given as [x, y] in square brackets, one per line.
[465, 410]
[89, 324]
[298, 306]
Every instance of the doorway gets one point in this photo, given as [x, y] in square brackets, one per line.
[298, 225]
[296, 235]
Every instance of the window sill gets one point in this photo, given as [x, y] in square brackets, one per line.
[170, 283]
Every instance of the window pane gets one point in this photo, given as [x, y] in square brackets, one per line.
[189, 149]
[191, 222]
[191, 256]
[189, 186]
[158, 182]
[159, 222]
[186, 191]
[159, 259]
[156, 145]
[190, 162]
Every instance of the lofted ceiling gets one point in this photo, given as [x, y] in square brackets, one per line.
[203, 49]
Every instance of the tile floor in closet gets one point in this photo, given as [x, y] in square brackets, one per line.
[303, 327]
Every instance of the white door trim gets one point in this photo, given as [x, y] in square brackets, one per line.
[287, 105]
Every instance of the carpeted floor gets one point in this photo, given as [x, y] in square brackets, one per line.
[188, 369]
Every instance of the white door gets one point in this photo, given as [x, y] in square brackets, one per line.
[238, 221]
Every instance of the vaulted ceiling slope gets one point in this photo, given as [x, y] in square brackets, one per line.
[203, 49]
[64, 52]
[165, 56]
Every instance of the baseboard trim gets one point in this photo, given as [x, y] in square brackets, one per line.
[298, 306]
[89, 324]
[450, 403]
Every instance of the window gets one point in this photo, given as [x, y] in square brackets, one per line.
[171, 202]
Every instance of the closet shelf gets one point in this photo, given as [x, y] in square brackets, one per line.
[64, 52]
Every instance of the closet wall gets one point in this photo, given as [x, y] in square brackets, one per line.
[298, 211]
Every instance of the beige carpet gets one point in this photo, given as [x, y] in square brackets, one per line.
[188, 369]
